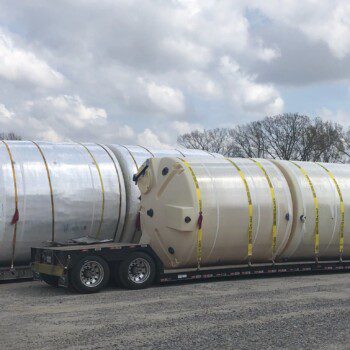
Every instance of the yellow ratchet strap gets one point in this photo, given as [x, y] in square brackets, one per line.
[250, 208]
[200, 214]
[51, 191]
[16, 214]
[342, 210]
[102, 189]
[132, 156]
[273, 198]
[316, 232]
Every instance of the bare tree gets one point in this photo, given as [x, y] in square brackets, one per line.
[286, 136]
[214, 140]
[345, 146]
[322, 141]
[9, 136]
[282, 134]
[247, 141]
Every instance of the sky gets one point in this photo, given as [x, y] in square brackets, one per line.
[143, 72]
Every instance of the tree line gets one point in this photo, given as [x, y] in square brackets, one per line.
[286, 136]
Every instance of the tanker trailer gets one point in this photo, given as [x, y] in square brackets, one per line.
[55, 192]
[208, 217]
[131, 159]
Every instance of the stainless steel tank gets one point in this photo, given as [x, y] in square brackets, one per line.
[204, 212]
[57, 191]
[130, 159]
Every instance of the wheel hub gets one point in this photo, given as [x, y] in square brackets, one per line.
[139, 270]
[91, 273]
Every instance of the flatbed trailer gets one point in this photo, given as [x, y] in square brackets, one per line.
[89, 267]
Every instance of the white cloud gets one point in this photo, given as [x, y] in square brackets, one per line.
[149, 138]
[125, 132]
[183, 127]
[69, 110]
[325, 21]
[57, 118]
[214, 24]
[49, 135]
[154, 69]
[202, 84]
[166, 98]
[5, 113]
[266, 54]
[246, 93]
[17, 64]
[188, 51]
[338, 116]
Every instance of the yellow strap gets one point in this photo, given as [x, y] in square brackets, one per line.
[273, 198]
[342, 210]
[316, 232]
[51, 191]
[200, 209]
[102, 189]
[132, 156]
[119, 187]
[14, 239]
[250, 208]
[180, 152]
[147, 150]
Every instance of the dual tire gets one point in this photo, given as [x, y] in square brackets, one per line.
[92, 273]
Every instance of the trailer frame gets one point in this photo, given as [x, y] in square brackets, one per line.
[59, 261]
[19, 272]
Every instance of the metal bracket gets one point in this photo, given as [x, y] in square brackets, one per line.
[141, 172]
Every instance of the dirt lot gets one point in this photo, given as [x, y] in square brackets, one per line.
[310, 311]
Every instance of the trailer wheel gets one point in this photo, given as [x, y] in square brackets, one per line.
[90, 274]
[49, 279]
[137, 271]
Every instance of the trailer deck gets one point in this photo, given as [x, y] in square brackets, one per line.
[60, 260]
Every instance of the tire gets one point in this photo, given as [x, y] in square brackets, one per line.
[90, 274]
[137, 271]
[49, 279]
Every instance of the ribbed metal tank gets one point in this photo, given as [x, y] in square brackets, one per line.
[130, 159]
[321, 200]
[57, 191]
[207, 212]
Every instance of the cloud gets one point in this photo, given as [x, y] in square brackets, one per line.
[165, 98]
[67, 110]
[149, 138]
[203, 84]
[185, 50]
[182, 127]
[338, 116]
[151, 70]
[5, 113]
[249, 95]
[326, 21]
[54, 118]
[18, 64]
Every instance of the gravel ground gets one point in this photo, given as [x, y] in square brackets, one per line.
[294, 312]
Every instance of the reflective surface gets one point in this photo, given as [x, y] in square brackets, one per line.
[64, 190]
[91, 274]
[139, 270]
